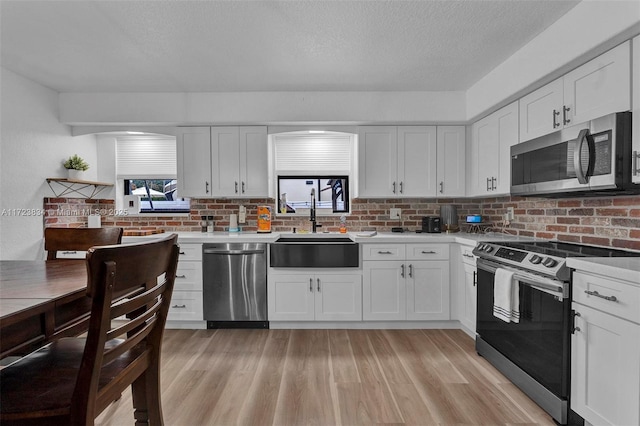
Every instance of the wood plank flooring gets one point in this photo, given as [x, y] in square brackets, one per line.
[330, 377]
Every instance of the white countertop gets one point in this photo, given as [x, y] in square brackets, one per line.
[382, 237]
[622, 268]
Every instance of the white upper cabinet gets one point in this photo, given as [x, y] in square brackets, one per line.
[597, 88]
[451, 161]
[194, 161]
[397, 161]
[636, 110]
[223, 161]
[491, 141]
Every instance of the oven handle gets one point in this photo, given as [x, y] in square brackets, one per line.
[553, 287]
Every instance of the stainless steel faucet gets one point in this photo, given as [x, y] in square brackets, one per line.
[314, 225]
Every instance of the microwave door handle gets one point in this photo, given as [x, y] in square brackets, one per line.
[582, 174]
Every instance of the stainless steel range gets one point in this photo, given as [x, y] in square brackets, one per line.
[532, 347]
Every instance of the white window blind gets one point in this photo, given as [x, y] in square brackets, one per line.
[313, 154]
[146, 157]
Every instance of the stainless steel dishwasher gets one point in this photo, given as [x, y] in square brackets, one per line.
[235, 285]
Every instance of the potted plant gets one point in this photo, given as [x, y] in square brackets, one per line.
[75, 166]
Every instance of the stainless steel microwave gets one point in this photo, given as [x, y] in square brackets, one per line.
[592, 158]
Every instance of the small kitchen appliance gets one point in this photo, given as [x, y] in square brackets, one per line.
[431, 224]
[449, 218]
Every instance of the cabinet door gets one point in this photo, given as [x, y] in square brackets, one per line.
[338, 297]
[417, 159]
[507, 121]
[605, 368]
[541, 111]
[377, 160]
[290, 297]
[254, 163]
[193, 146]
[225, 161]
[384, 291]
[484, 155]
[599, 87]
[428, 290]
[469, 298]
[636, 111]
[451, 168]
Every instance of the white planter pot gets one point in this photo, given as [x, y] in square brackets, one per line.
[75, 174]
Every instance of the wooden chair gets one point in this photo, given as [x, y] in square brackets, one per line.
[72, 380]
[80, 239]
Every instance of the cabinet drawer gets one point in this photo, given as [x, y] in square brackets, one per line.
[186, 305]
[383, 251]
[189, 276]
[190, 252]
[427, 251]
[626, 305]
[468, 258]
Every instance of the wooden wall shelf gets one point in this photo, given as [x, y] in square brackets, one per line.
[62, 187]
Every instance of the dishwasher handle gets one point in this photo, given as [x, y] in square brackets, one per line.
[232, 252]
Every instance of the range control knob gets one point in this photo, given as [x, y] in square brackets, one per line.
[535, 259]
[549, 262]
[488, 248]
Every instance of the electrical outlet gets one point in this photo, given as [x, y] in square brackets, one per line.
[395, 213]
[510, 213]
[242, 214]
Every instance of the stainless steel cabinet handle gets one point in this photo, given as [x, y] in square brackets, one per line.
[384, 252]
[635, 158]
[236, 186]
[311, 285]
[565, 110]
[442, 187]
[410, 271]
[555, 114]
[318, 280]
[573, 327]
[243, 187]
[596, 294]
[182, 252]
[69, 252]
[475, 278]
[181, 276]
[401, 187]
[402, 271]
[488, 181]
[206, 187]
[468, 255]
[493, 183]
[179, 306]
[394, 187]
[429, 252]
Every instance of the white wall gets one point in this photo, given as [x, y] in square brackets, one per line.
[32, 147]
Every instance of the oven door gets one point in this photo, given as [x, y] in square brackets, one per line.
[539, 343]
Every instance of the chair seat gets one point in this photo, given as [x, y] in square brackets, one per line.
[43, 381]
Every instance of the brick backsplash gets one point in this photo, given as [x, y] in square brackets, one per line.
[604, 221]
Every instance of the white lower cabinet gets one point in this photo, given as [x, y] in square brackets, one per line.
[314, 296]
[605, 351]
[467, 289]
[405, 282]
[186, 301]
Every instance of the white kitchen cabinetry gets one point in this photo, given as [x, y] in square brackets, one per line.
[597, 88]
[636, 110]
[451, 168]
[468, 295]
[405, 282]
[223, 161]
[314, 296]
[186, 301]
[397, 161]
[492, 138]
[605, 350]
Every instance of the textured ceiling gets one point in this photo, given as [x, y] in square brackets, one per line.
[205, 46]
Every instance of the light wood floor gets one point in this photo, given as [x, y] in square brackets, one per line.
[330, 377]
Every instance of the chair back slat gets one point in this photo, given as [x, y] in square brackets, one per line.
[128, 326]
[79, 239]
[129, 343]
[136, 301]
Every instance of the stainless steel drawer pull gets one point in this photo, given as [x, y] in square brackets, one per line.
[402, 271]
[179, 306]
[384, 252]
[428, 252]
[311, 285]
[181, 276]
[182, 252]
[410, 271]
[596, 294]
[318, 279]
[468, 255]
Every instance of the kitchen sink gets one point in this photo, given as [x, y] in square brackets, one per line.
[314, 251]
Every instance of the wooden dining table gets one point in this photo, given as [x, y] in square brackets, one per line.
[41, 301]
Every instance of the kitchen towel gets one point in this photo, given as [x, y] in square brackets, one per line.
[506, 297]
